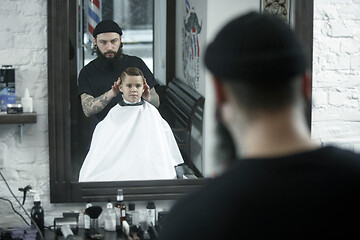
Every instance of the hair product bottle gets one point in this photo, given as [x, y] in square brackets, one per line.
[151, 213]
[87, 217]
[132, 216]
[3, 94]
[37, 213]
[7, 76]
[120, 210]
[27, 102]
[109, 218]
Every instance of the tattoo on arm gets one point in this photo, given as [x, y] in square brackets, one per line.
[93, 105]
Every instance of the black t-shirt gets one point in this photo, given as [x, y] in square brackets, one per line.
[97, 77]
[310, 195]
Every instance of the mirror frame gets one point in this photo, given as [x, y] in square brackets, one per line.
[62, 189]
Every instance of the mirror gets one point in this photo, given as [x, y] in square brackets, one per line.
[137, 20]
[61, 19]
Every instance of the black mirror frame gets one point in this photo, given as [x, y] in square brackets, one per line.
[62, 189]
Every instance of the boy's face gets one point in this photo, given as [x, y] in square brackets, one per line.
[132, 88]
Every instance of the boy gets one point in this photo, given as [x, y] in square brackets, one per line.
[133, 142]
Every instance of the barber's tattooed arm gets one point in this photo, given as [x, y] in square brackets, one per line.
[91, 105]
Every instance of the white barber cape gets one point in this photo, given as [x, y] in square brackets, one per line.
[131, 143]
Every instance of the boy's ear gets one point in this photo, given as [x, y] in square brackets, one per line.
[144, 83]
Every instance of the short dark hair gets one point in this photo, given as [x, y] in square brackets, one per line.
[253, 97]
[132, 71]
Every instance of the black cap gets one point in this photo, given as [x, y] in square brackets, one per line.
[106, 26]
[256, 48]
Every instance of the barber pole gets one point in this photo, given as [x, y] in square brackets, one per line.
[94, 16]
[187, 7]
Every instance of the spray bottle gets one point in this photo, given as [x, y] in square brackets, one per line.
[37, 212]
[110, 218]
[27, 102]
[87, 217]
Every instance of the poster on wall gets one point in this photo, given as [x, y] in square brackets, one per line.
[192, 47]
[280, 8]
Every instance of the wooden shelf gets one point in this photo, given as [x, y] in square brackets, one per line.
[18, 118]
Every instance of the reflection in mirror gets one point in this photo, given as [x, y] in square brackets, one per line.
[136, 20]
[133, 142]
[65, 114]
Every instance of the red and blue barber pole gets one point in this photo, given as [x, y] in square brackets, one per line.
[187, 7]
[94, 16]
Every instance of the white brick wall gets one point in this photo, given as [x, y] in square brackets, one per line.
[23, 43]
[336, 73]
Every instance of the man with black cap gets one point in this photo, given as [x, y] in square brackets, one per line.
[98, 83]
[282, 184]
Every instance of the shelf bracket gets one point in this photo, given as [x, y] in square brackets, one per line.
[21, 126]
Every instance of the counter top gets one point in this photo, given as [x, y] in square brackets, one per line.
[51, 235]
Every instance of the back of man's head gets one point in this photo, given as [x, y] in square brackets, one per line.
[260, 56]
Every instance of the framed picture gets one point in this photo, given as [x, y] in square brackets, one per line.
[280, 8]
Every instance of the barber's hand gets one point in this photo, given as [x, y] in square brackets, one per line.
[115, 87]
[146, 94]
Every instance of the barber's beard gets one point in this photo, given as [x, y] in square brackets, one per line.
[225, 146]
[112, 60]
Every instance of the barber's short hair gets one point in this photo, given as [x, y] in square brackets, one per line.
[132, 71]
[254, 97]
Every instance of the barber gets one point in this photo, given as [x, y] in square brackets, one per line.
[281, 185]
[98, 82]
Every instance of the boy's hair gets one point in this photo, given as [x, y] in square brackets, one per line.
[131, 71]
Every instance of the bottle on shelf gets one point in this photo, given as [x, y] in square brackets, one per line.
[120, 210]
[151, 213]
[109, 218]
[37, 212]
[132, 216]
[87, 217]
[27, 102]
